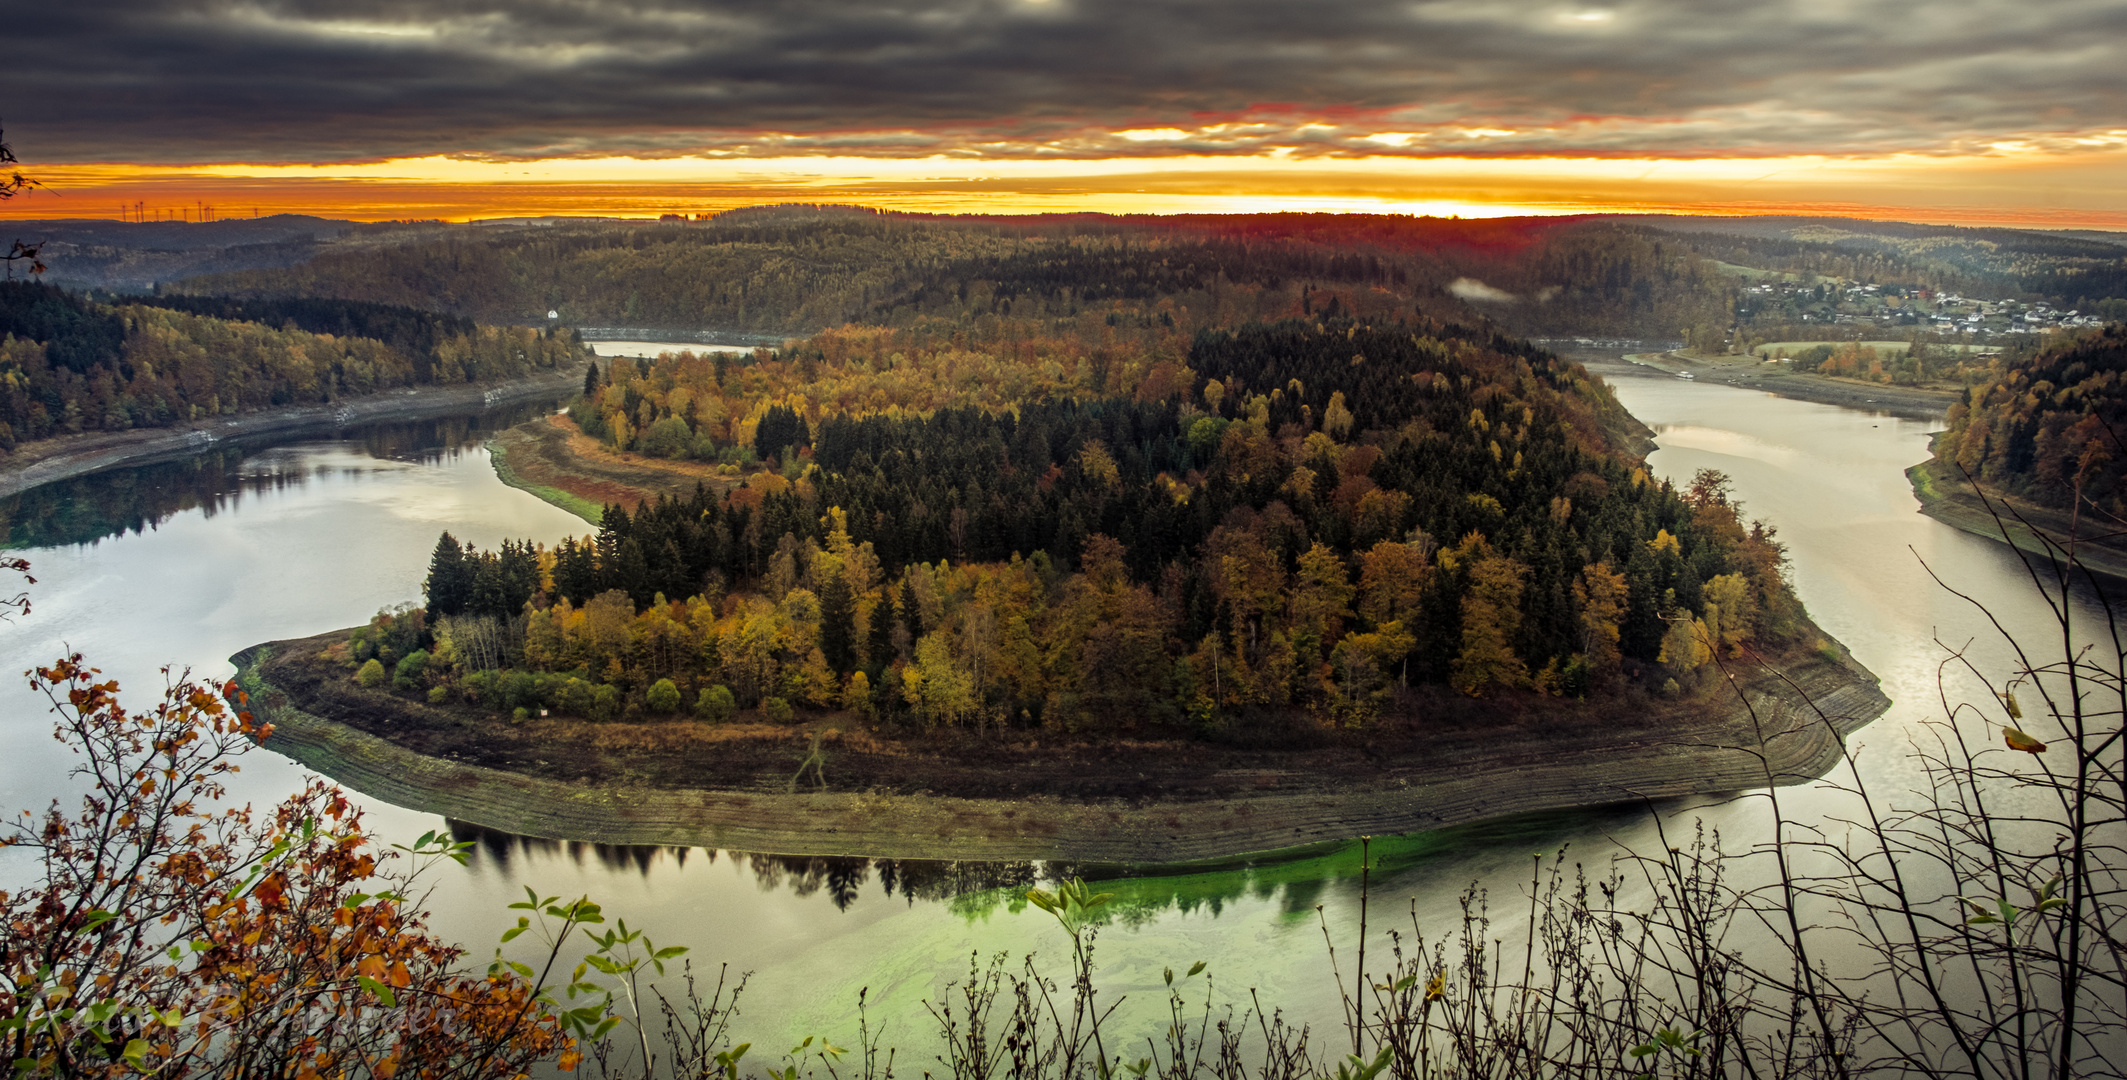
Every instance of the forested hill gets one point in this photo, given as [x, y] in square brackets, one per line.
[2086, 271]
[68, 365]
[2047, 423]
[789, 270]
[1309, 518]
[799, 270]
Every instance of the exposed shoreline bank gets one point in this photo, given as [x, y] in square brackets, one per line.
[1750, 373]
[1463, 776]
[49, 460]
[1948, 498]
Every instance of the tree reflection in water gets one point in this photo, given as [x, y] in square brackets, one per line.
[842, 878]
[138, 498]
[1296, 879]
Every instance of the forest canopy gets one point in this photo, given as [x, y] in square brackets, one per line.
[69, 365]
[2047, 422]
[1307, 517]
[785, 270]
[798, 270]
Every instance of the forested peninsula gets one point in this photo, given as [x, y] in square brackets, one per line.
[1005, 565]
[1029, 506]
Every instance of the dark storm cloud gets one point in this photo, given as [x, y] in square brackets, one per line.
[166, 80]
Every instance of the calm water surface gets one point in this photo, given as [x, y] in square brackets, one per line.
[218, 553]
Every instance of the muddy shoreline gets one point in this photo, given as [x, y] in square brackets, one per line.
[48, 460]
[1146, 801]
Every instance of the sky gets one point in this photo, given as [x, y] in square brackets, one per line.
[1967, 112]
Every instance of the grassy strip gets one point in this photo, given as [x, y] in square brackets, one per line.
[1924, 483]
[583, 508]
[1772, 348]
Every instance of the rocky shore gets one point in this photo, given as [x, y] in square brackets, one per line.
[734, 786]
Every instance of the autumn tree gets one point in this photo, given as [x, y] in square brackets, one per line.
[1602, 597]
[1491, 614]
[165, 932]
[938, 688]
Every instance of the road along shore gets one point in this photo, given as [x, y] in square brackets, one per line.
[47, 460]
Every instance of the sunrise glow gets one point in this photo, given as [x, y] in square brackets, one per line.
[2010, 185]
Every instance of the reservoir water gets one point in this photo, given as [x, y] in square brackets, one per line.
[184, 563]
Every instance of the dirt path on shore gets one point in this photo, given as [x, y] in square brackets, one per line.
[1144, 801]
[47, 460]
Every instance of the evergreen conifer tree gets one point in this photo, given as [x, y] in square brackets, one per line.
[911, 611]
[879, 651]
[450, 578]
[838, 611]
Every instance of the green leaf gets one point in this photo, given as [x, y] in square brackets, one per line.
[383, 992]
[1198, 969]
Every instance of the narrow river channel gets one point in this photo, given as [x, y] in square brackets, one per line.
[244, 545]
